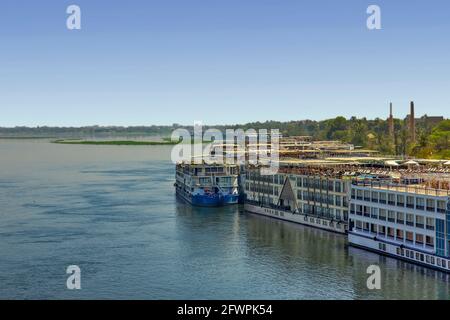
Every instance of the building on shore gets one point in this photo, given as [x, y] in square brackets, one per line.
[412, 123]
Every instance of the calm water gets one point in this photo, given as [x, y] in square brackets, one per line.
[112, 211]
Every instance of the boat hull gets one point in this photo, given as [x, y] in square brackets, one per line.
[230, 199]
[207, 200]
[297, 218]
[201, 200]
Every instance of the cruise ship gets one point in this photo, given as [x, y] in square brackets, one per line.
[207, 185]
[306, 195]
[409, 221]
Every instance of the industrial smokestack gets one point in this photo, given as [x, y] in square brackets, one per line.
[412, 123]
[391, 122]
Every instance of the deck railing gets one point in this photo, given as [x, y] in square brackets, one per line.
[389, 186]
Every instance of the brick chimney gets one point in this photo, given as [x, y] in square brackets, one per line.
[391, 122]
[412, 124]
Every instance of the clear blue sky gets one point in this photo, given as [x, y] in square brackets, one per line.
[143, 62]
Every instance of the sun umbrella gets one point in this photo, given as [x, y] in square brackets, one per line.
[391, 163]
[411, 162]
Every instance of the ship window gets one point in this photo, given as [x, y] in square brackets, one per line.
[391, 216]
[441, 206]
[410, 219]
[419, 238]
[420, 221]
[400, 217]
[374, 196]
[400, 200]
[391, 199]
[410, 202]
[205, 180]
[409, 236]
[338, 214]
[430, 223]
[429, 241]
[359, 194]
[390, 232]
[420, 203]
[431, 206]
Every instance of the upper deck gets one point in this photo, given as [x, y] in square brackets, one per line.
[207, 170]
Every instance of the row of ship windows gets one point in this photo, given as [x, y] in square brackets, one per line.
[399, 200]
[321, 197]
[395, 234]
[306, 196]
[221, 180]
[331, 185]
[418, 256]
[408, 219]
[261, 189]
[207, 170]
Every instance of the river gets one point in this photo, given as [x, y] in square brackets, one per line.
[112, 211]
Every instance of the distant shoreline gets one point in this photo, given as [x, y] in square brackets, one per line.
[25, 138]
[166, 142]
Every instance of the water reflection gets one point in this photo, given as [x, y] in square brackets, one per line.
[113, 211]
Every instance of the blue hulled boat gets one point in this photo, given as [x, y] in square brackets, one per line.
[208, 185]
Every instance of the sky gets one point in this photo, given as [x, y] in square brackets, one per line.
[145, 62]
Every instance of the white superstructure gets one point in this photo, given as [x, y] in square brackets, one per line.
[410, 222]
